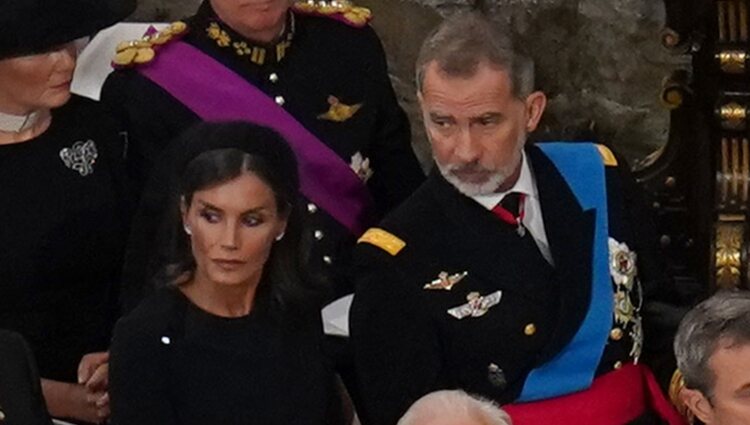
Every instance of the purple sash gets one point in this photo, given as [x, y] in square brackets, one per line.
[215, 93]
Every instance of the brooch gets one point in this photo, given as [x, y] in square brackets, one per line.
[80, 157]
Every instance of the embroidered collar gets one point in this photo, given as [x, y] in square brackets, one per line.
[257, 53]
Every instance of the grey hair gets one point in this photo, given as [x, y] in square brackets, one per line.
[454, 402]
[467, 39]
[722, 319]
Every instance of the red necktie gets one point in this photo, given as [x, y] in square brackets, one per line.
[511, 210]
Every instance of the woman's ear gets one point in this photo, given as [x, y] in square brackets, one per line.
[183, 213]
[535, 104]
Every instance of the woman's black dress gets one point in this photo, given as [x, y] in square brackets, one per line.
[63, 225]
[173, 363]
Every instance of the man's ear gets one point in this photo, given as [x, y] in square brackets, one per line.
[535, 104]
[698, 404]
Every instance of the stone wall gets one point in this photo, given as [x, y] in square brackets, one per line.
[599, 61]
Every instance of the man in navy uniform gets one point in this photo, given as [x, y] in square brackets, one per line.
[313, 71]
[512, 272]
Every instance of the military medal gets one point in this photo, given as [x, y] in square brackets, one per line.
[80, 157]
[520, 229]
[339, 111]
[361, 166]
[624, 272]
[476, 306]
[445, 281]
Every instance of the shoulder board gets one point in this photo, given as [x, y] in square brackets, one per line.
[383, 240]
[607, 156]
[340, 10]
[137, 52]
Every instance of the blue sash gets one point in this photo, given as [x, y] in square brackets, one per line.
[573, 368]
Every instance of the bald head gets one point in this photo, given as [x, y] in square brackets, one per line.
[454, 407]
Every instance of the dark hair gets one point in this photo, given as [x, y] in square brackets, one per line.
[465, 40]
[215, 153]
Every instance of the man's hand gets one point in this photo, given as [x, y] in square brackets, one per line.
[89, 365]
[75, 401]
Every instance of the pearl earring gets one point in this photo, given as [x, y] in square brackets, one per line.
[187, 230]
[280, 237]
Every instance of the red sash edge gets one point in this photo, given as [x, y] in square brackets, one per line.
[615, 398]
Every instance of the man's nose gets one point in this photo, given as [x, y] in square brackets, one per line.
[467, 146]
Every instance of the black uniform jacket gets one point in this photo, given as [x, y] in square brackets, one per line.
[325, 62]
[405, 342]
[21, 400]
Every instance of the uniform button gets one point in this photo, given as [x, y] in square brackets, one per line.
[615, 334]
[166, 340]
[618, 365]
[318, 234]
[496, 376]
[312, 208]
[327, 259]
[279, 100]
[274, 77]
[530, 329]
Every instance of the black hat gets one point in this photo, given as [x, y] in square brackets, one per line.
[33, 26]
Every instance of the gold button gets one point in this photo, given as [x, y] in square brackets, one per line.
[318, 234]
[530, 329]
[312, 208]
[280, 100]
[618, 365]
[327, 259]
[615, 334]
[273, 77]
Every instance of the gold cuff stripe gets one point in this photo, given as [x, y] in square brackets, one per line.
[383, 240]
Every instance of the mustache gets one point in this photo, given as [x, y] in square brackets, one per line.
[473, 167]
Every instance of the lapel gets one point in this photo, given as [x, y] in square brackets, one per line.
[570, 232]
[479, 241]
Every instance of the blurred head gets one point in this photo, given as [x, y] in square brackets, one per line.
[37, 81]
[237, 191]
[712, 347]
[38, 41]
[478, 104]
[454, 407]
[259, 20]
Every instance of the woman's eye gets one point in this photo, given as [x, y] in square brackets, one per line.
[210, 216]
[251, 221]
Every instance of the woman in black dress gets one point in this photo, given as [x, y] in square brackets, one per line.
[63, 209]
[234, 337]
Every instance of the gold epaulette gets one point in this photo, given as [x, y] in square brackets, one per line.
[607, 156]
[137, 52]
[384, 240]
[341, 10]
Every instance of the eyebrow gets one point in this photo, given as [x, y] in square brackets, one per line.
[437, 115]
[743, 388]
[214, 207]
[488, 115]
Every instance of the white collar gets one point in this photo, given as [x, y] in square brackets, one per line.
[18, 123]
[524, 184]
